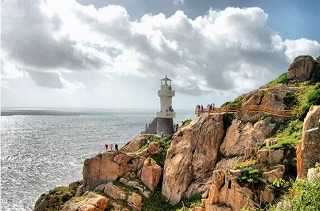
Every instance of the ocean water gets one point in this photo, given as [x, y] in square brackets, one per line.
[40, 152]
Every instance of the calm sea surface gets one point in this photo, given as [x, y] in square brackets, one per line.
[40, 152]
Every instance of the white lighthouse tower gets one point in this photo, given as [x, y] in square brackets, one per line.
[166, 114]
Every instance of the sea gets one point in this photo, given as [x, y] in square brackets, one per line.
[45, 148]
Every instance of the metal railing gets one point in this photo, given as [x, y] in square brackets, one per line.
[268, 110]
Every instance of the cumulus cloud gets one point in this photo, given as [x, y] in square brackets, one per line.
[28, 36]
[231, 50]
[300, 47]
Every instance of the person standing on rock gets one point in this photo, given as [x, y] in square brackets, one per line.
[106, 145]
[116, 147]
[111, 146]
[161, 134]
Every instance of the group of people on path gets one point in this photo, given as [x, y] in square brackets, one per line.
[111, 146]
[209, 106]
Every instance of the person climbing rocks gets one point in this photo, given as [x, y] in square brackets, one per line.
[106, 145]
[116, 147]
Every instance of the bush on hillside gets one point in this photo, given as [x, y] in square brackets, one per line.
[290, 100]
[313, 99]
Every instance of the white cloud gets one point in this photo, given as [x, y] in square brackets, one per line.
[224, 52]
[302, 46]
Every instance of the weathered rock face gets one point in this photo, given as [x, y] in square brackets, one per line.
[135, 201]
[277, 173]
[308, 150]
[192, 156]
[150, 174]
[153, 148]
[225, 190]
[136, 143]
[302, 68]
[241, 135]
[271, 97]
[108, 167]
[91, 202]
[314, 174]
[270, 157]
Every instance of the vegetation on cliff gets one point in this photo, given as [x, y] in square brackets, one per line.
[253, 153]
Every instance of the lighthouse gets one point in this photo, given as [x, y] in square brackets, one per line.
[166, 114]
[162, 123]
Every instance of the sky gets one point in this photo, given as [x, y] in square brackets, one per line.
[113, 53]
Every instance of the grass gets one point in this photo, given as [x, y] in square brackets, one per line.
[281, 79]
[62, 194]
[186, 122]
[236, 103]
[243, 164]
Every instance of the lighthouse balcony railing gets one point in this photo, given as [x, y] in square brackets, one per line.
[166, 114]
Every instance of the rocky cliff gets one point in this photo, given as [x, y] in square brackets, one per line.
[226, 161]
[308, 151]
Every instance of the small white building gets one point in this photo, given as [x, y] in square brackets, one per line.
[162, 123]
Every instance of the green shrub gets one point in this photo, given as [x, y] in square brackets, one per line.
[313, 99]
[290, 100]
[307, 195]
[186, 122]
[252, 176]
[281, 186]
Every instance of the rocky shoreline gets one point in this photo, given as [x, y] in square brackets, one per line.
[217, 162]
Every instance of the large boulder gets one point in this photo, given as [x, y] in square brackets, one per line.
[107, 167]
[89, 202]
[192, 157]
[226, 191]
[308, 150]
[136, 143]
[241, 135]
[135, 201]
[270, 157]
[302, 68]
[276, 173]
[265, 96]
[150, 174]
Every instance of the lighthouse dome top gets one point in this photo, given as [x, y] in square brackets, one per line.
[166, 83]
[166, 79]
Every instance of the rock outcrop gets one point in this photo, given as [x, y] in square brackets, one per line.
[226, 191]
[302, 68]
[150, 174]
[192, 157]
[108, 167]
[241, 135]
[88, 202]
[136, 144]
[308, 150]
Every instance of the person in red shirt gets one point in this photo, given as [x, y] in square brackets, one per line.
[111, 146]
